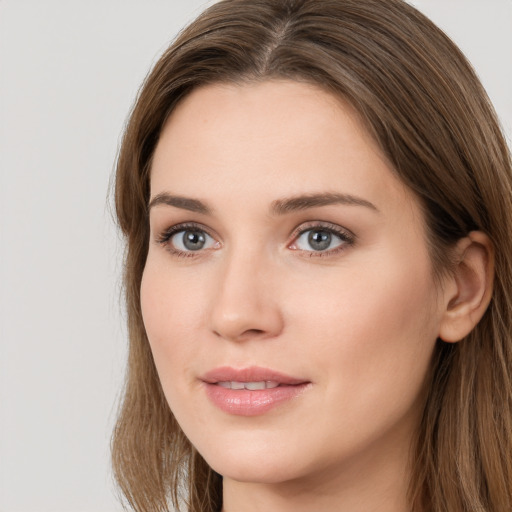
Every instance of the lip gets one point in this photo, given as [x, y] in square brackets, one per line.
[244, 402]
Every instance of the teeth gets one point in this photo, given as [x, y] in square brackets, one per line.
[253, 386]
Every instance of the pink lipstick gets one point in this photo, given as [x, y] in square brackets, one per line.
[250, 391]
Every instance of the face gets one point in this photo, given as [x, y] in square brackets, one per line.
[288, 294]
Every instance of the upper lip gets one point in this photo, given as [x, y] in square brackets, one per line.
[249, 374]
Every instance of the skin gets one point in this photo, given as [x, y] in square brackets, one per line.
[359, 320]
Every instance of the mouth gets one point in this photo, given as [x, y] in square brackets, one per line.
[251, 391]
[251, 386]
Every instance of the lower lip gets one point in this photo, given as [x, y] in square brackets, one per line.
[244, 402]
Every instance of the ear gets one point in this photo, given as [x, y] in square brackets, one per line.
[469, 288]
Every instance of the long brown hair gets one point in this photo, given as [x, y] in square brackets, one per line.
[424, 105]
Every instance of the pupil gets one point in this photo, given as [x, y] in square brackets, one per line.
[193, 240]
[319, 240]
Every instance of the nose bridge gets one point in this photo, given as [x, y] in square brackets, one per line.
[244, 305]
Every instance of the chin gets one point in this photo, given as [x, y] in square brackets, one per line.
[248, 472]
[257, 464]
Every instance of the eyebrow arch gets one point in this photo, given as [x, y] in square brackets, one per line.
[303, 202]
[185, 203]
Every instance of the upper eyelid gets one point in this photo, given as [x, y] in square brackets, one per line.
[328, 226]
[183, 226]
[165, 234]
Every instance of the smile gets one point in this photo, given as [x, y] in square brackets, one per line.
[252, 386]
[250, 391]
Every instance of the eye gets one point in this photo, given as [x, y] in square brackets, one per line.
[322, 239]
[182, 239]
[191, 240]
[317, 240]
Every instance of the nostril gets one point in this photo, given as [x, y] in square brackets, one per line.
[253, 332]
[245, 335]
[242, 319]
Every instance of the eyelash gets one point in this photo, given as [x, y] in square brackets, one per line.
[166, 236]
[347, 238]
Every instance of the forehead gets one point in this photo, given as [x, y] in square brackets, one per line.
[265, 140]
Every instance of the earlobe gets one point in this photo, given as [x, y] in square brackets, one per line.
[468, 297]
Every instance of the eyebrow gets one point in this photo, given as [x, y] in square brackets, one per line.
[185, 203]
[303, 202]
[278, 207]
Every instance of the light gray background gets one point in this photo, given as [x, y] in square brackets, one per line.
[69, 71]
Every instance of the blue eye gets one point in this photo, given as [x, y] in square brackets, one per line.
[186, 240]
[321, 240]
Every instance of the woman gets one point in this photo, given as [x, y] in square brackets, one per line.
[316, 198]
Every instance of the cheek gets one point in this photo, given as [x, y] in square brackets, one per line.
[170, 312]
[371, 331]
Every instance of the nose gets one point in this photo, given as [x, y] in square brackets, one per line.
[245, 306]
